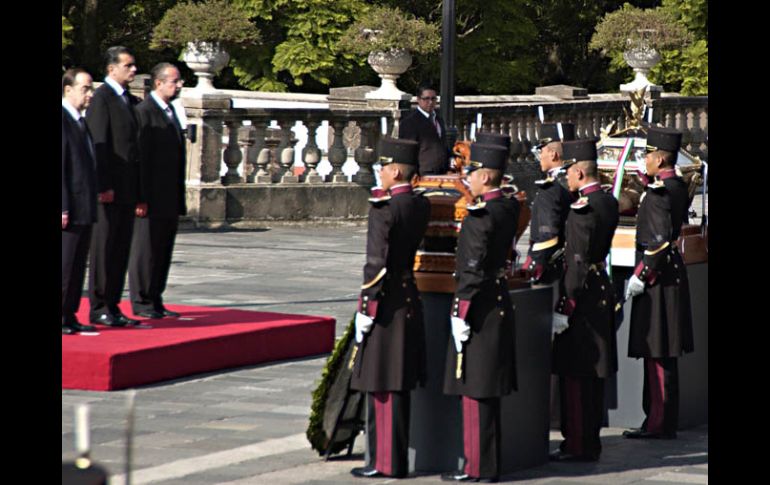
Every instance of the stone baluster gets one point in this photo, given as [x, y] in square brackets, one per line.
[260, 130]
[669, 120]
[688, 130]
[364, 154]
[311, 154]
[246, 140]
[704, 123]
[286, 152]
[232, 154]
[338, 154]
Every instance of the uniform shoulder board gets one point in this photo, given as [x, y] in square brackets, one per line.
[607, 188]
[419, 190]
[476, 207]
[509, 190]
[580, 203]
[379, 200]
[657, 185]
[544, 182]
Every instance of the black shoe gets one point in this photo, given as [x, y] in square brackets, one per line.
[78, 327]
[66, 329]
[646, 435]
[128, 322]
[366, 471]
[559, 455]
[109, 320]
[151, 314]
[169, 313]
[461, 476]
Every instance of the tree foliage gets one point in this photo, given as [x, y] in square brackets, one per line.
[209, 21]
[503, 46]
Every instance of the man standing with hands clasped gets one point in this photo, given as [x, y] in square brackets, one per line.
[161, 189]
[78, 194]
[112, 120]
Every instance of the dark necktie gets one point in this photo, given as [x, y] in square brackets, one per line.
[86, 136]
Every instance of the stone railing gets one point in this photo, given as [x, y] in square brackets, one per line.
[261, 159]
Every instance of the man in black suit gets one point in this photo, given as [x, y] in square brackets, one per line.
[78, 194]
[114, 129]
[426, 127]
[162, 189]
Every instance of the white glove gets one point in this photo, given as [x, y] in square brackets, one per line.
[460, 332]
[363, 325]
[559, 323]
[635, 287]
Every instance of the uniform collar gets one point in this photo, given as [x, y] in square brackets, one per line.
[491, 195]
[590, 189]
[666, 174]
[401, 189]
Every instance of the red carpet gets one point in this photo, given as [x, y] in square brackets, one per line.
[202, 340]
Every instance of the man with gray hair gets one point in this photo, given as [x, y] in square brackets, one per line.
[161, 191]
[78, 194]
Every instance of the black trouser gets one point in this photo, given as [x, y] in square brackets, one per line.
[75, 240]
[582, 413]
[387, 432]
[481, 436]
[660, 398]
[151, 250]
[110, 246]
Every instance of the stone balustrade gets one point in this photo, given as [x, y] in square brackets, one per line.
[247, 162]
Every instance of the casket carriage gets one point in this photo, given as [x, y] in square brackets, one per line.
[449, 197]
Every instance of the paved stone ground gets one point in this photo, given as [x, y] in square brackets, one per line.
[247, 425]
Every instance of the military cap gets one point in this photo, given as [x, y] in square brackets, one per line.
[487, 156]
[667, 139]
[489, 138]
[398, 150]
[550, 132]
[577, 150]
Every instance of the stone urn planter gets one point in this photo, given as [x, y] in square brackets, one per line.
[206, 59]
[641, 57]
[389, 65]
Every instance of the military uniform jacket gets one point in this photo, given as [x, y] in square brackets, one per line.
[661, 320]
[392, 355]
[483, 301]
[546, 231]
[588, 348]
[114, 129]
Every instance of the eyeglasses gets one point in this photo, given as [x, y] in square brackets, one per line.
[429, 98]
[175, 81]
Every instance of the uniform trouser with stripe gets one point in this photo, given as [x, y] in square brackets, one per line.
[387, 432]
[582, 413]
[660, 398]
[481, 436]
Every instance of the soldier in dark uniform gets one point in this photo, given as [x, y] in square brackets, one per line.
[481, 363]
[661, 322]
[389, 323]
[550, 207]
[584, 349]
